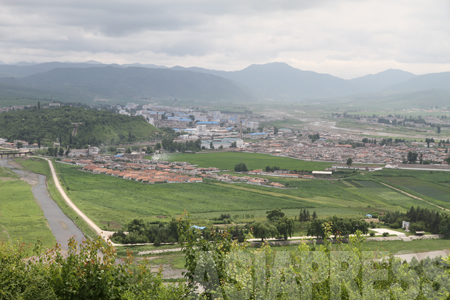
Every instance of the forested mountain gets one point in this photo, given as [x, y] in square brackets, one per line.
[281, 81]
[126, 83]
[424, 82]
[45, 126]
[83, 82]
[381, 81]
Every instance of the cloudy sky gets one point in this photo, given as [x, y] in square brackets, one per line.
[345, 38]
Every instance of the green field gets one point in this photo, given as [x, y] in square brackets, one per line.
[110, 200]
[20, 214]
[41, 166]
[439, 193]
[254, 161]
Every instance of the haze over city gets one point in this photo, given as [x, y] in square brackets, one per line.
[342, 38]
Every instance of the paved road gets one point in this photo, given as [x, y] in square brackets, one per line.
[61, 226]
[390, 231]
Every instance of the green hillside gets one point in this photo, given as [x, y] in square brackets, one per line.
[48, 125]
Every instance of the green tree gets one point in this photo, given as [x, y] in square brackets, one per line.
[275, 130]
[61, 151]
[264, 230]
[349, 161]
[274, 215]
[211, 145]
[285, 227]
[19, 145]
[438, 129]
[412, 157]
[240, 167]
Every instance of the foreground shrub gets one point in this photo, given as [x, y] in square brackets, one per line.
[88, 271]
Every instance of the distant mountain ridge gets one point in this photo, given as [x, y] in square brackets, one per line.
[272, 81]
[126, 83]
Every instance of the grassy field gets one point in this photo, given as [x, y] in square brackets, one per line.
[431, 186]
[254, 161]
[20, 214]
[7, 173]
[41, 166]
[117, 201]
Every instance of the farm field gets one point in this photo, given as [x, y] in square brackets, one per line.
[111, 201]
[254, 161]
[20, 214]
[423, 188]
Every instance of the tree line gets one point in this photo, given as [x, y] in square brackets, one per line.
[421, 219]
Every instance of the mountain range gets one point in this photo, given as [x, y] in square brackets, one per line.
[273, 81]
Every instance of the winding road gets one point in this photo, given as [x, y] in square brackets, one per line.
[61, 226]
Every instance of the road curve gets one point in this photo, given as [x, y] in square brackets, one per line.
[104, 234]
[61, 226]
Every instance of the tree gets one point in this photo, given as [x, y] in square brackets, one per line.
[39, 105]
[61, 151]
[412, 157]
[240, 167]
[128, 150]
[438, 129]
[275, 130]
[349, 161]
[211, 145]
[285, 227]
[264, 230]
[447, 160]
[314, 215]
[19, 145]
[274, 214]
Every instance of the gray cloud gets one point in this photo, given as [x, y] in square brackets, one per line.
[342, 37]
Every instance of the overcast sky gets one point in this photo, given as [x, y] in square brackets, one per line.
[345, 38]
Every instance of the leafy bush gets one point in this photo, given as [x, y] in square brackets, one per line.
[385, 234]
[88, 271]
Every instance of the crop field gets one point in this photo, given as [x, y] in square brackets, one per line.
[423, 187]
[107, 199]
[20, 214]
[369, 184]
[254, 161]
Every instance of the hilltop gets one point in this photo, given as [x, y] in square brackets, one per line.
[97, 127]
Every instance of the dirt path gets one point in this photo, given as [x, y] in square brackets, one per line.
[412, 196]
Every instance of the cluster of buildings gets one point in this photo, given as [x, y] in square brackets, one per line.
[4, 143]
[151, 171]
[329, 148]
